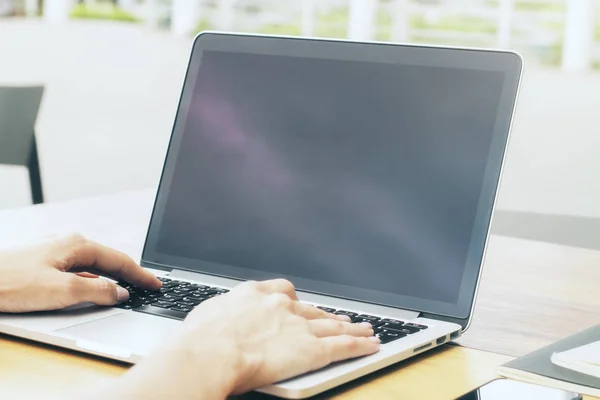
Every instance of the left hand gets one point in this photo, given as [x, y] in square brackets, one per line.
[65, 272]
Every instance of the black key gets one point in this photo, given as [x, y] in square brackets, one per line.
[155, 295]
[195, 294]
[208, 291]
[182, 309]
[194, 301]
[220, 290]
[124, 284]
[327, 309]
[355, 320]
[149, 301]
[402, 329]
[378, 329]
[164, 304]
[195, 298]
[197, 286]
[128, 305]
[182, 284]
[163, 279]
[172, 297]
[165, 290]
[392, 321]
[388, 336]
[367, 317]
[375, 324]
[411, 325]
[349, 313]
[181, 290]
[184, 303]
[163, 312]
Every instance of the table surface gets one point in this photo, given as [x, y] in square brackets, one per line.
[531, 294]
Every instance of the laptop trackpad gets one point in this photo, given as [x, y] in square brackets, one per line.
[123, 335]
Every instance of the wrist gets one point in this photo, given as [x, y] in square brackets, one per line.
[208, 371]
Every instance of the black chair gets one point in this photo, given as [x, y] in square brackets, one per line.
[18, 113]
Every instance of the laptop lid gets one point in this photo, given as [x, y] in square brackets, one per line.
[365, 171]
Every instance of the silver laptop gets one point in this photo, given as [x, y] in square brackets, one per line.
[365, 173]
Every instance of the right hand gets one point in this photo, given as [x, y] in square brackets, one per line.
[255, 335]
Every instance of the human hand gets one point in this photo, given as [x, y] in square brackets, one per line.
[255, 335]
[65, 272]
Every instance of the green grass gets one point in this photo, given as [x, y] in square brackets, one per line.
[204, 25]
[384, 25]
[102, 12]
[334, 24]
[454, 23]
[535, 6]
[281, 29]
[524, 5]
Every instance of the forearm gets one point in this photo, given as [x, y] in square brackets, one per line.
[211, 374]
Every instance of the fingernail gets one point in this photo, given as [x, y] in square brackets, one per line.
[122, 294]
[375, 339]
[344, 318]
[366, 325]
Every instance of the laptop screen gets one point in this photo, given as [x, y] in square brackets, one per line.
[362, 177]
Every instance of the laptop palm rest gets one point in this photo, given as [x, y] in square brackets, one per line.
[122, 336]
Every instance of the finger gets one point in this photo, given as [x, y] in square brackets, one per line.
[97, 291]
[329, 327]
[87, 275]
[278, 286]
[112, 262]
[339, 348]
[311, 312]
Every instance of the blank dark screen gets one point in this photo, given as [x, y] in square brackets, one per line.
[350, 172]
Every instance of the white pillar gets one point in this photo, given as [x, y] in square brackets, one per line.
[31, 8]
[361, 21]
[151, 14]
[308, 17]
[505, 15]
[579, 35]
[184, 16]
[400, 21]
[226, 15]
[57, 11]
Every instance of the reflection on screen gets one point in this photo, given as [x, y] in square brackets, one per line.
[355, 173]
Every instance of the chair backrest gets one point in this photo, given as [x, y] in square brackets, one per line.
[19, 108]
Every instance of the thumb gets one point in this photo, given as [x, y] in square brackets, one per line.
[98, 291]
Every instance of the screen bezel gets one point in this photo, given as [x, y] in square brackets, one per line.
[509, 63]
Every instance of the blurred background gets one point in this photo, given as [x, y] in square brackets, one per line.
[112, 72]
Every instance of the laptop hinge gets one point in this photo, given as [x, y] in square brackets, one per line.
[158, 272]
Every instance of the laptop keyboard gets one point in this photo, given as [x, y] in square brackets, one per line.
[386, 329]
[177, 298]
[174, 300]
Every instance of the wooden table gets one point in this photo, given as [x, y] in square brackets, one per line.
[531, 294]
[31, 371]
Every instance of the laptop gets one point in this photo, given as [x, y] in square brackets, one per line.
[365, 173]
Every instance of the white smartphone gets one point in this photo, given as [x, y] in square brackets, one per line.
[502, 389]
